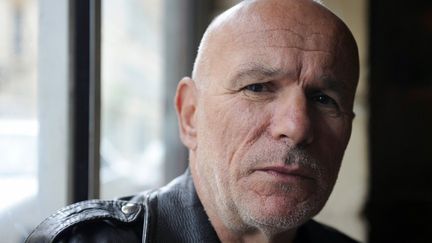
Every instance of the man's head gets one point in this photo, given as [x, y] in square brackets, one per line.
[267, 114]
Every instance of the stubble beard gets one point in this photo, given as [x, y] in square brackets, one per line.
[241, 216]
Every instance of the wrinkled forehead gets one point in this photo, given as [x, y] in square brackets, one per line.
[286, 34]
[286, 37]
[311, 27]
[310, 37]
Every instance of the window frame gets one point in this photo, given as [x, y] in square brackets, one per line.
[85, 50]
[85, 32]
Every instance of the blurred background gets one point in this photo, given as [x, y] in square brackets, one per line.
[86, 108]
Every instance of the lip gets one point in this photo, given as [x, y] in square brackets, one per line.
[287, 172]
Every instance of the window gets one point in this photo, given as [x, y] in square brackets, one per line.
[132, 105]
[33, 113]
[146, 47]
[19, 125]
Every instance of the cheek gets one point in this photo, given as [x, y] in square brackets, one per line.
[339, 132]
[227, 127]
[332, 138]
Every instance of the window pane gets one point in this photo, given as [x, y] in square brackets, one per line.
[19, 126]
[33, 113]
[131, 146]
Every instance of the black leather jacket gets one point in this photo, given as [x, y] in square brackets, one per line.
[170, 214]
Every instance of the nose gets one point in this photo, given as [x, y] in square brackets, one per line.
[291, 120]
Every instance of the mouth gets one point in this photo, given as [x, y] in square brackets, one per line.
[287, 172]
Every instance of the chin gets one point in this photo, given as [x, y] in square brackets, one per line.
[279, 223]
[280, 214]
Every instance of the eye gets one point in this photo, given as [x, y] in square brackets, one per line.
[259, 91]
[256, 88]
[324, 100]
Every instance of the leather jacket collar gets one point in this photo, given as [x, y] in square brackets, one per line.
[170, 214]
[175, 214]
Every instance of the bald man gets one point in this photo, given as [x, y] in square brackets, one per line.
[266, 118]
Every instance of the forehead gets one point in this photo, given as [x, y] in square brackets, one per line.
[283, 49]
[296, 47]
[288, 35]
[286, 42]
[307, 32]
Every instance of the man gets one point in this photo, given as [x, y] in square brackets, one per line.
[266, 118]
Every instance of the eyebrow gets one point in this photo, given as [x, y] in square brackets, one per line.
[258, 73]
[334, 84]
[253, 71]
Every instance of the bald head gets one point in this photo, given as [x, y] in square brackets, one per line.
[307, 24]
[267, 116]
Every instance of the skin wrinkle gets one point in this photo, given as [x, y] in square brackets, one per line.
[249, 71]
[307, 37]
[239, 14]
[298, 48]
[261, 73]
[239, 131]
[254, 136]
[286, 42]
[286, 188]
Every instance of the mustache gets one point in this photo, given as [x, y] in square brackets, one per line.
[272, 154]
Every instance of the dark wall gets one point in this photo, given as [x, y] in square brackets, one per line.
[400, 199]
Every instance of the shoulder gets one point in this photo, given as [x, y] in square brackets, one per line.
[87, 221]
[313, 231]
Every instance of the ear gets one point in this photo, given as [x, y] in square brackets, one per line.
[186, 103]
